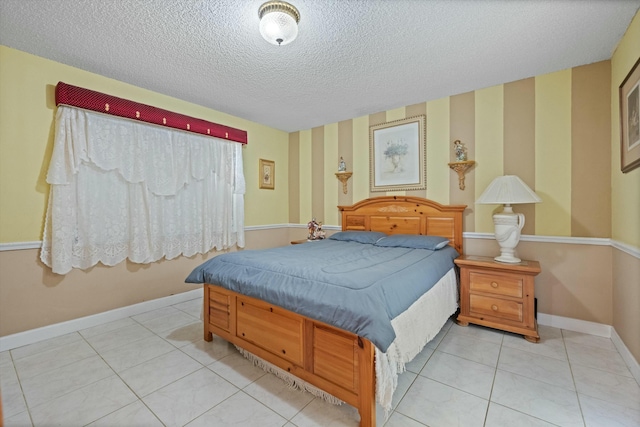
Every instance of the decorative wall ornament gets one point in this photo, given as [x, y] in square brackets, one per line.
[461, 169]
[461, 165]
[460, 150]
[343, 177]
[398, 155]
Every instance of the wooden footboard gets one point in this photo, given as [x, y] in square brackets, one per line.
[336, 361]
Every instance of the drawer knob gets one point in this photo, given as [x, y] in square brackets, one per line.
[494, 284]
[494, 307]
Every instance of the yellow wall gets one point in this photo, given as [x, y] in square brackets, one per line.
[522, 127]
[626, 187]
[27, 111]
[489, 148]
[553, 153]
[625, 203]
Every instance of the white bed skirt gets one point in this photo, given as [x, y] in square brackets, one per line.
[414, 328]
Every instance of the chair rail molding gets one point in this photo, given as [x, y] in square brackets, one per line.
[596, 241]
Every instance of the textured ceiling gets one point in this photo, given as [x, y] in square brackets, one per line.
[351, 57]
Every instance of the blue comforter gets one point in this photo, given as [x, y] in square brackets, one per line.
[354, 286]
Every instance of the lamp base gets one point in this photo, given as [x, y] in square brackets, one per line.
[507, 231]
[508, 259]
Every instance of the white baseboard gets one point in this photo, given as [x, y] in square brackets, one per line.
[631, 361]
[20, 339]
[597, 329]
[575, 325]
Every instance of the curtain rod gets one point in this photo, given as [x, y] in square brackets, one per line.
[75, 96]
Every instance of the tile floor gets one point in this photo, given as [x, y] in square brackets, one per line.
[154, 369]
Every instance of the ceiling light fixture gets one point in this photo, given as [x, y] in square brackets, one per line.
[278, 22]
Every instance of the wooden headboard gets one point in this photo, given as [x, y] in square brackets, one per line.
[405, 215]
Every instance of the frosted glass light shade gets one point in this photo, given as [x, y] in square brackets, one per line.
[278, 22]
[508, 190]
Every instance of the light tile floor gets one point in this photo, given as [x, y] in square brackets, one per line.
[154, 369]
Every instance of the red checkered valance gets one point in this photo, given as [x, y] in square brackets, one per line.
[74, 96]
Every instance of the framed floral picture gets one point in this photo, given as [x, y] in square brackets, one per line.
[630, 120]
[267, 174]
[397, 155]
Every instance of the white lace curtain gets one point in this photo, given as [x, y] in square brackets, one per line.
[123, 189]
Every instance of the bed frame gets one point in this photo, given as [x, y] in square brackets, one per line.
[336, 361]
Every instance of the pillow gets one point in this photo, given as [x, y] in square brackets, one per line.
[414, 241]
[358, 236]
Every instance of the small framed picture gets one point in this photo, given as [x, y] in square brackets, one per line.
[267, 174]
[630, 120]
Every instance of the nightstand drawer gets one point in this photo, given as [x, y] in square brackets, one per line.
[504, 309]
[495, 283]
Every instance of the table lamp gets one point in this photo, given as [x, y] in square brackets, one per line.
[508, 190]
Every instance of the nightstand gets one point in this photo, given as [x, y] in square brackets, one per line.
[498, 295]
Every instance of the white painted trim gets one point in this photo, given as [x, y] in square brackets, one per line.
[266, 227]
[18, 246]
[597, 329]
[324, 227]
[473, 235]
[20, 339]
[596, 241]
[330, 227]
[575, 325]
[631, 361]
[631, 250]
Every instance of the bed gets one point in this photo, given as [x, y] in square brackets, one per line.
[322, 347]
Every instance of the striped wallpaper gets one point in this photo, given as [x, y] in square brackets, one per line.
[551, 130]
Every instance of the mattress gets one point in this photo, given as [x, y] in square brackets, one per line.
[354, 286]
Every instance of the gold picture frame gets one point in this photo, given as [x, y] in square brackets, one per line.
[397, 155]
[267, 174]
[629, 93]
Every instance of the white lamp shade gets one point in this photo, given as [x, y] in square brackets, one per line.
[508, 190]
[278, 22]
